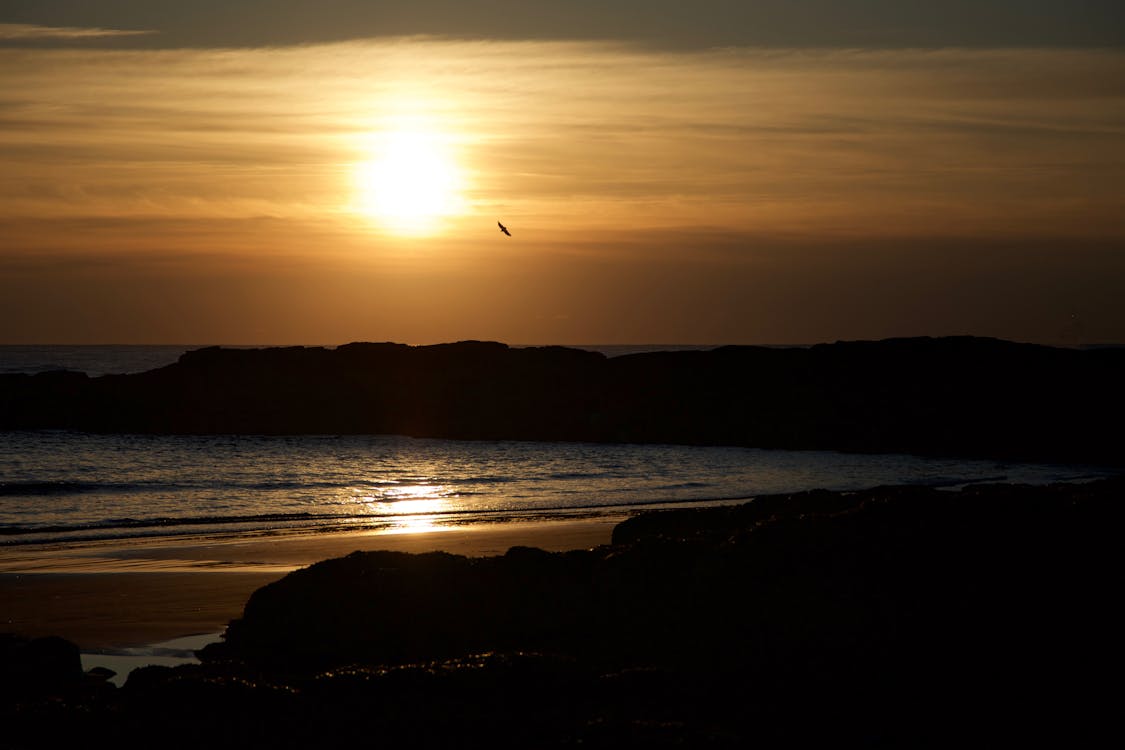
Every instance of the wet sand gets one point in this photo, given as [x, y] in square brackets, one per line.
[121, 594]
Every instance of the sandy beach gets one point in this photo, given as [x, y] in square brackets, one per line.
[129, 593]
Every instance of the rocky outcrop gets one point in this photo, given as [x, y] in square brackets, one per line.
[957, 396]
[778, 578]
[38, 667]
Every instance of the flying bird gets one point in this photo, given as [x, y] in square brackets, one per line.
[503, 229]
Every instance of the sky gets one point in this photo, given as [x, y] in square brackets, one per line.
[294, 172]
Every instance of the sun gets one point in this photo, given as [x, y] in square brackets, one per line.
[411, 185]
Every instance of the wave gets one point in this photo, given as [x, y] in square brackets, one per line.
[298, 484]
[487, 479]
[452, 486]
[62, 488]
[683, 486]
[141, 523]
[574, 475]
[18, 489]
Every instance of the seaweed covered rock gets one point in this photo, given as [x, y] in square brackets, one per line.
[881, 586]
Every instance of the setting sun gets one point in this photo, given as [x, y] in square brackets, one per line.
[411, 185]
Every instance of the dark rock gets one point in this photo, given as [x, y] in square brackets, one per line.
[34, 667]
[800, 578]
[99, 678]
[958, 396]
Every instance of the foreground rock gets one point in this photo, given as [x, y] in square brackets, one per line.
[38, 667]
[954, 396]
[895, 616]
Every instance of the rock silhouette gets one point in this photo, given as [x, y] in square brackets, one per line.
[889, 568]
[38, 667]
[959, 396]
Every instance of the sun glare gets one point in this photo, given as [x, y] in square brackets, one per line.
[410, 509]
[411, 185]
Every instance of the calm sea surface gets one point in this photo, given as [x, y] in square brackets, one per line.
[66, 486]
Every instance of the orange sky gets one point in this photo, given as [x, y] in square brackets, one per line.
[735, 195]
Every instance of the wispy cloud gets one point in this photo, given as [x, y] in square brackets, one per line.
[32, 32]
[581, 135]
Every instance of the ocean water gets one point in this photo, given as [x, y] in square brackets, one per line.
[68, 486]
[94, 360]
[97, 359]
[122, 661]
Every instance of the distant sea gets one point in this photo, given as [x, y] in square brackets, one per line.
[108, 359]
[66, 486]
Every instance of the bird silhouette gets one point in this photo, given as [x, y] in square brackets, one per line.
[503, 229]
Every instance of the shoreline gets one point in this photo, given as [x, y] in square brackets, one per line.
[125, 594]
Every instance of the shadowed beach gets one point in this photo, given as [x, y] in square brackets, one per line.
[115, 594]
[893, 616]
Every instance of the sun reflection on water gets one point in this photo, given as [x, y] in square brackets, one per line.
[415, 525]
[411, 492]
[408, 509]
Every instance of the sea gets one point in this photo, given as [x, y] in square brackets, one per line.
[62, 487]
[112, 359]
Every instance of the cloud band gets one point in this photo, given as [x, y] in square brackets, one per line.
[27, 31]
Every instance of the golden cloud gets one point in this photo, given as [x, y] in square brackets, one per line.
[27, 31]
